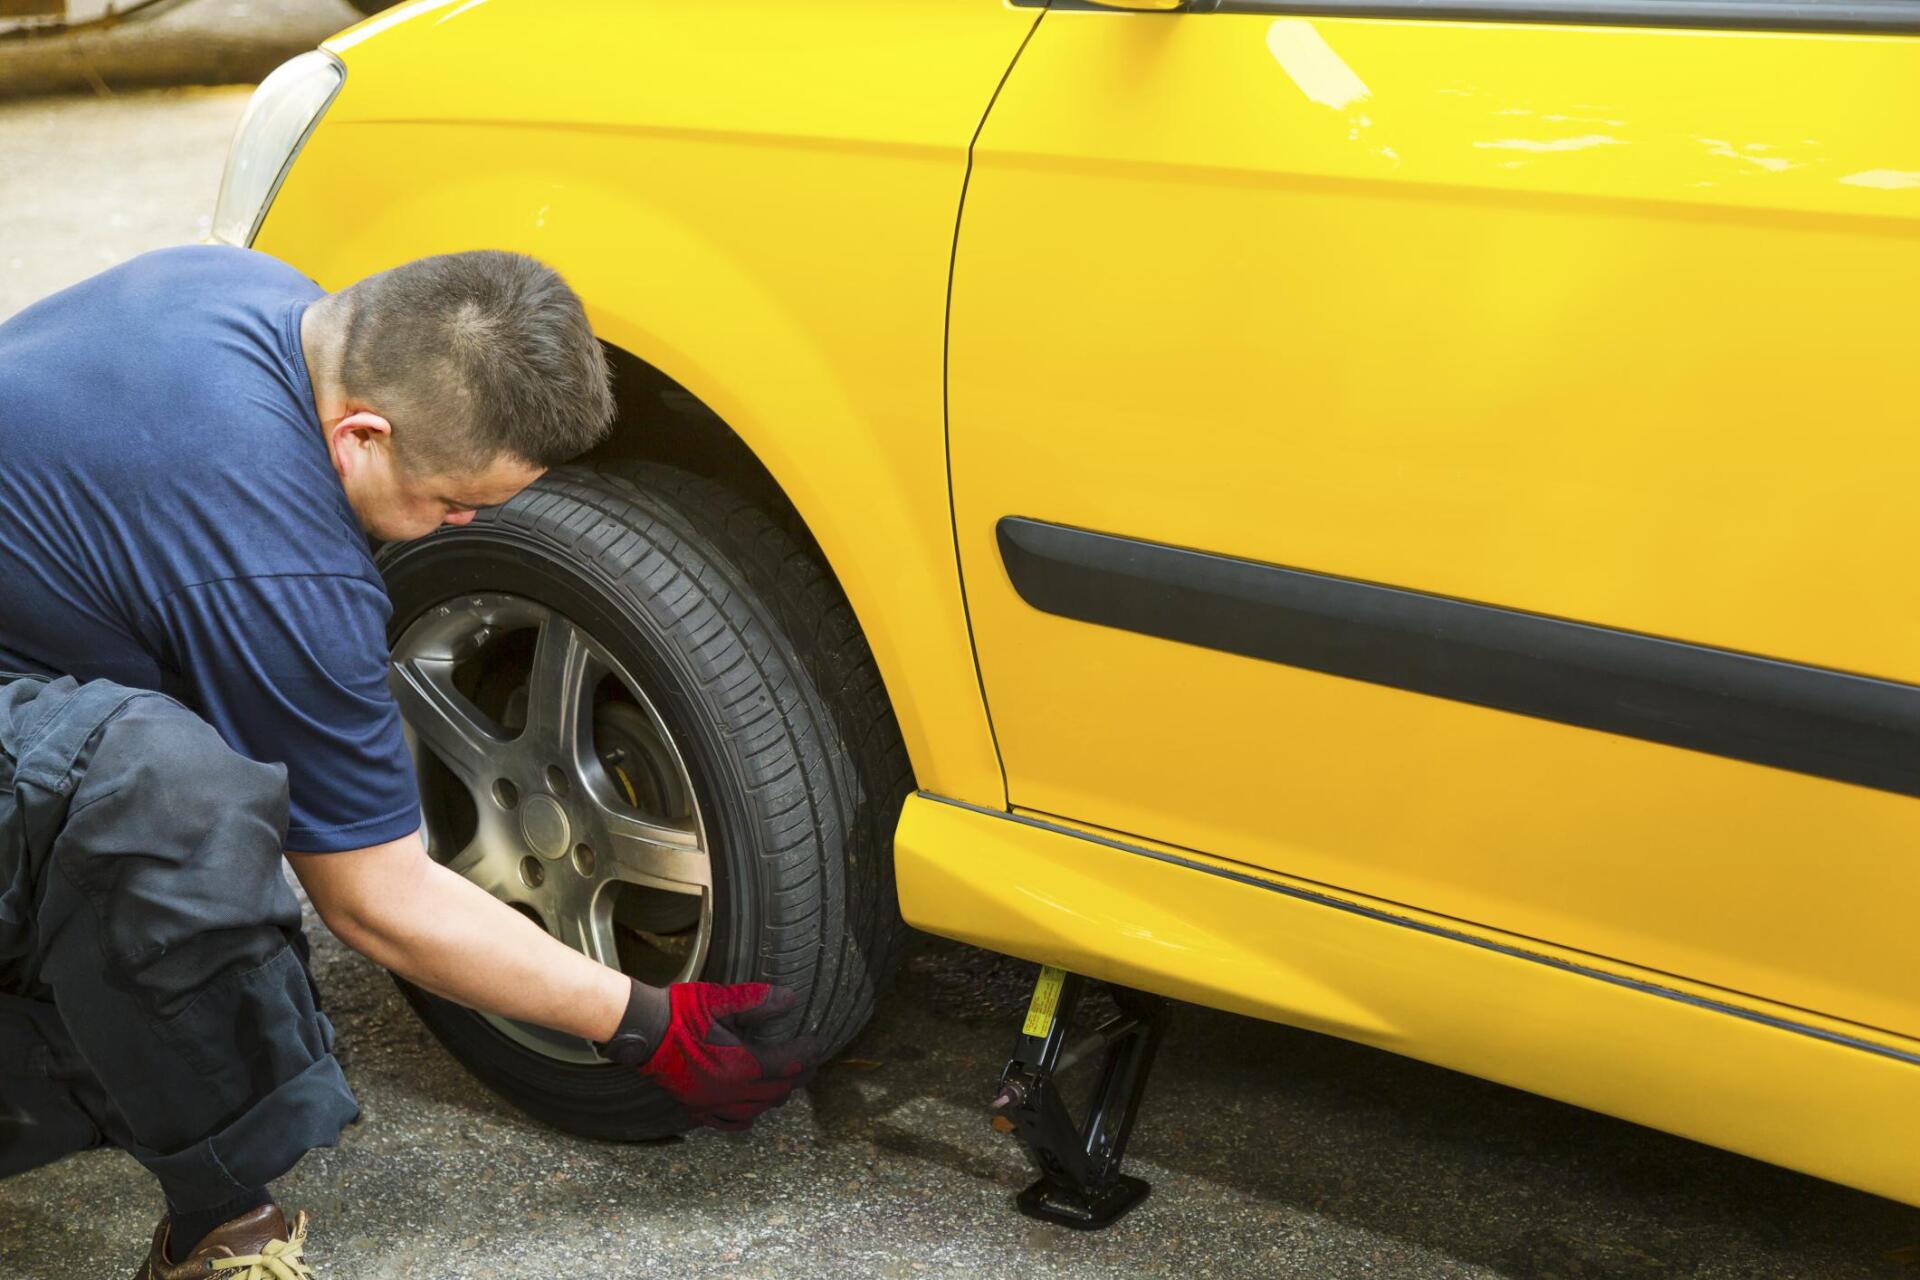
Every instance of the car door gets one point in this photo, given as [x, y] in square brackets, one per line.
[1464, 455]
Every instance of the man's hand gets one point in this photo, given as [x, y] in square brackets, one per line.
[697, 1041]
[394, 905]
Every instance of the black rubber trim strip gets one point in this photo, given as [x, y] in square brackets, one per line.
[1452, 935]
[1887, 17]
[1810, 720]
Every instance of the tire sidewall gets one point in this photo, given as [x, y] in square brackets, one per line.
[500, 557]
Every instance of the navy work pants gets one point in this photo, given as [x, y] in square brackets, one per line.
[154, 992]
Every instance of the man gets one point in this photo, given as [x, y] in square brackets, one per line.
[194, 450]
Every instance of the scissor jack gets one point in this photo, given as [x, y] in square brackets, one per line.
[1080, 1180]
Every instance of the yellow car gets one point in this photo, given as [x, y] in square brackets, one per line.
[1388, 516]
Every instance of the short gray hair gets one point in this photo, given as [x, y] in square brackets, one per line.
[474, 356]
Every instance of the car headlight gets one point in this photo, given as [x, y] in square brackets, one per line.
[283, 111]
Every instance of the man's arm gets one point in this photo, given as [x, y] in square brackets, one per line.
[406, 912]
[278, 689]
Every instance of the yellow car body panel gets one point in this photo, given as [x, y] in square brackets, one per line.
[1763, 1080]
[1607, 325]
[1577, 322]
[756, 198]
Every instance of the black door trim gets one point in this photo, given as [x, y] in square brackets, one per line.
[1439, 931]
[1886, 17]
[1811, 720]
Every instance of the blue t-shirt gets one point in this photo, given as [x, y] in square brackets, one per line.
[170, 519]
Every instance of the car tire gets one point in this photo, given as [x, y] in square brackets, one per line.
[728, 626]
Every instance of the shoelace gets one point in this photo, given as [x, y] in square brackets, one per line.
[277, 1260]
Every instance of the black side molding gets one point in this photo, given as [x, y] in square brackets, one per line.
[1811, 720]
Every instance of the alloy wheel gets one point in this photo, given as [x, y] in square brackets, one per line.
[549, 779]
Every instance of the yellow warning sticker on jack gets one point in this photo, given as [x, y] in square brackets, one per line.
[1045, 1002]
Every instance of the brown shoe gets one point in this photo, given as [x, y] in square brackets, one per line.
[257, 1245]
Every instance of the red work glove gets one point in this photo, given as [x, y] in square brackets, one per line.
[696, 1041]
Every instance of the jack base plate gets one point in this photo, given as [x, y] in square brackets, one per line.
[1050, 1202]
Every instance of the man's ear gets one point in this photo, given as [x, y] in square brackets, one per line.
[355, 436]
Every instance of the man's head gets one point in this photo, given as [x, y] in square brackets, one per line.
[451, 383]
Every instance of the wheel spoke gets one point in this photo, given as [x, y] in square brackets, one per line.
[468, 860]
[485, 863]
[583, 919]
[557, 689]
[651, 854]
[442, 720]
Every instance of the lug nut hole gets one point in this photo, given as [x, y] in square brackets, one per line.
[505, 794]
[532, 872]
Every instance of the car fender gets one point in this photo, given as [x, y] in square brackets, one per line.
[783, 256]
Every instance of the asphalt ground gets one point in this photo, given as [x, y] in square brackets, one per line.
[1273, 1152]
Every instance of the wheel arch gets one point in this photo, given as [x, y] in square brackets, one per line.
[858, 519]
[659, 419]
[716, 368]
[773, 233]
